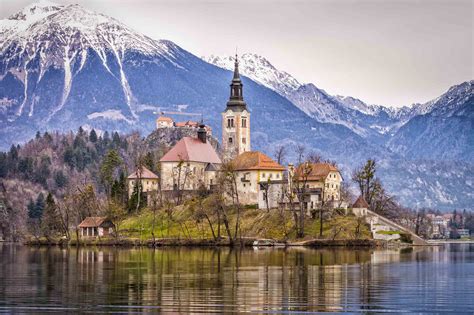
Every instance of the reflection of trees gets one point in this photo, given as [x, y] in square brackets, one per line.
[187, 280]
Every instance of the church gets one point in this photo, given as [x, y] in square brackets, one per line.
[235, 120]
[193, 163]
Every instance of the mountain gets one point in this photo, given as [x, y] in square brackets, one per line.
[439, 129]
[63, 66]
[445, 131]
[368, 121]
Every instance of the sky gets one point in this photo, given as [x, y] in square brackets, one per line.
[392, 53]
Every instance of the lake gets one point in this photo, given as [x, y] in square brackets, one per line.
[221, 280]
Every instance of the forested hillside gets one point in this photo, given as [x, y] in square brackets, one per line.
[64, 167]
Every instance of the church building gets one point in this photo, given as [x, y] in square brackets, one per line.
[235, 120]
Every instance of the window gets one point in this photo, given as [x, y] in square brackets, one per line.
[244, 185]
[271, 175]
[230, 140]
[278, 175]
[263, 175]
[210, 181]
[244, 140]
[244, 122]
[194, 170]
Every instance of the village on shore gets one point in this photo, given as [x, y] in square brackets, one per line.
[246, 178]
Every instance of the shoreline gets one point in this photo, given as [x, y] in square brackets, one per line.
[247, 242]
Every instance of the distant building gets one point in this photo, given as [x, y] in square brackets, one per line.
[190, 164]
[463, 233]
[96, 226]
[164, 122]
[360, 207]
[149, 180]
[235, 120]
[255, 172]
[168, 122]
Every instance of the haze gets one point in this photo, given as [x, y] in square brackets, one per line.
[392, 53]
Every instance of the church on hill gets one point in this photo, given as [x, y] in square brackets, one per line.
[235, 120]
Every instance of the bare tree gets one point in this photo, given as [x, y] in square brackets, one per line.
[181, 174]
[280, 154]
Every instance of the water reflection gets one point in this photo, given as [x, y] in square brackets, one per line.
[223, 280]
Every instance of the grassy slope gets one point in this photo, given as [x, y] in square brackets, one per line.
[254, 223]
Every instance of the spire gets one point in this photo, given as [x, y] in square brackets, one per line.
[236, 69]
[236, 100]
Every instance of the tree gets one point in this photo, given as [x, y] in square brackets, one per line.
[108, 169]
[299, 186]
[60, 179]
[229, 183]
[280, 154]
[365, 179]
[116, 212]
[181, 174]
[135, 201]
[93, 136]
[36, 211]
[51, 222]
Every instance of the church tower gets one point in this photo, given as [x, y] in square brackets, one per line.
[235, 120]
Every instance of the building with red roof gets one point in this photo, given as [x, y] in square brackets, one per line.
[257, 178]
[190, 164]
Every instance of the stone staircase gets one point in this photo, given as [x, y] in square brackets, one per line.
[375, 218]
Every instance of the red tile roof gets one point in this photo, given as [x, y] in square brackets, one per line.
[164, 118]
[318, 171]
[192, 150]
[92, 222]
[145, 174]
[255, 160]
[191, 123]
[360, 203]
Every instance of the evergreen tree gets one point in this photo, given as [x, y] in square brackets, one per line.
[47, 137]
[148, 161]
[133, 201]
[119, 189]
[108, 168]
[37, 211]
[93, 136]
[116, 140]
[51, 221]
[3, 165]
[69, 157]
[60, 179]
[38, 135]
[31, 209]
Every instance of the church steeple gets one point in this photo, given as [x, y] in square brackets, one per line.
[235, 119]
[236, 99]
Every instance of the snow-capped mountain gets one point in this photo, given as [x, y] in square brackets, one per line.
[444, 129]
[260, 70]
[63, 66]
[368, 121]
[46, 36]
